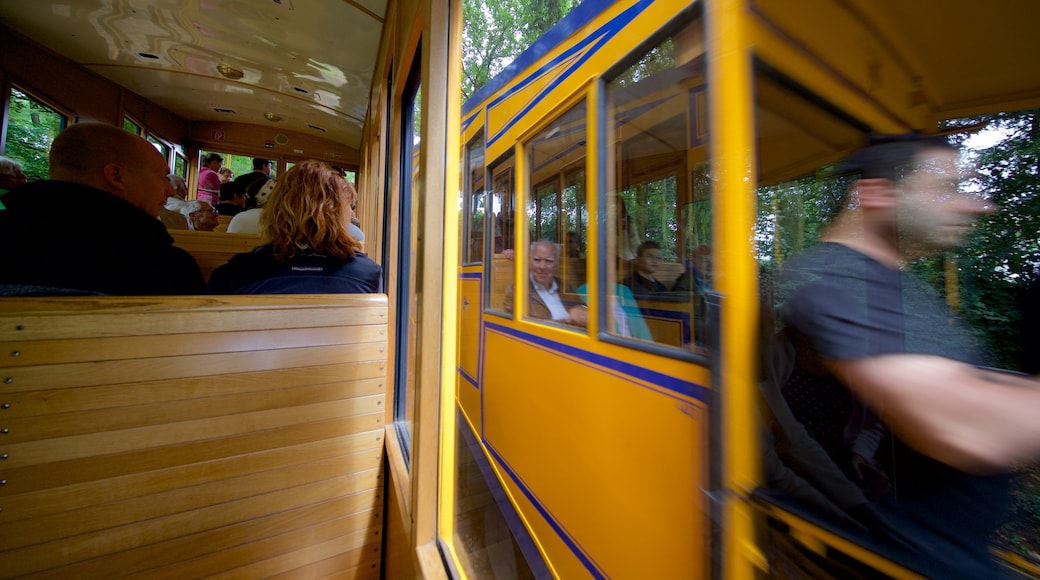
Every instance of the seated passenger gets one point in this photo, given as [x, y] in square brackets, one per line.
[642, 280]
[545, 302]
[248, 221]
[625, 316]
[232, 199]
[199, 216]
[308, 248]
[93, 225]
[171, 217]
[11, 176]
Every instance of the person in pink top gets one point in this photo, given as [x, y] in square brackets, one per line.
[209, 179]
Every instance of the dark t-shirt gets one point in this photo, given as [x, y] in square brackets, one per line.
[258, 272]
[69, 236]
[847, 306]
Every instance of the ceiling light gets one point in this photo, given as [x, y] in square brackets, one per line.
[229, 72]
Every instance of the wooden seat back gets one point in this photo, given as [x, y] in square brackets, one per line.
[181, 437]
[213, 249]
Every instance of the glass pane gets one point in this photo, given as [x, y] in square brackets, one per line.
[556, 288]
[180, 165]
[489, 538]
[503, 219]
[410, 287]
[475, 210]
[160, 146]
[131, 126]
[31, 128]
[661, 203]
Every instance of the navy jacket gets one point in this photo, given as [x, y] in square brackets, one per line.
[258, 272]
[70, 236]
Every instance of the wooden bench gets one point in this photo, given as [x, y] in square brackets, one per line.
[181, 437]
[213, 249]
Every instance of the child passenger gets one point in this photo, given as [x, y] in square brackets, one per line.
[308, 248]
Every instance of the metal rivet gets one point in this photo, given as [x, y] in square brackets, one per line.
[16, 353]
[8, 380]
[4, 456]
[19, 327]
[3, 482]
[5, 406]
[4, 431]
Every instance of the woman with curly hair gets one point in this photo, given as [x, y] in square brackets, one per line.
[308, 248]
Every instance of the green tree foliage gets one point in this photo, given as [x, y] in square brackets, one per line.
[31, 128]
[497, 31]
[1003, 253]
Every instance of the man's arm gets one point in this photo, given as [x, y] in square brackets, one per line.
[949, 410]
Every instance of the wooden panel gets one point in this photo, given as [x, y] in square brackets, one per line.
[176, 437]
[213, 249]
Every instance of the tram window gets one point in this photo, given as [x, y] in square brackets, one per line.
[132, 126]
[31, 128]
[180, 165]
[409, 291]
[475, 208]
[556, 210]
[502, 201]
[659, 199]
[161, 146]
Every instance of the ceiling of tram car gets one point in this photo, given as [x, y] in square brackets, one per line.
[309, 63]
[922, 61]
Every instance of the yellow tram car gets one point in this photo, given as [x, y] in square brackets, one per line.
[461, 424]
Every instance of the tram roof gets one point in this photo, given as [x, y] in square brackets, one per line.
[964, 57]
[311, 63]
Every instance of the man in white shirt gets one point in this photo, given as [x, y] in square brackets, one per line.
[544, 299]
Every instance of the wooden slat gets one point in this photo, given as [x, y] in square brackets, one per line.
[152, 436]
[345, 552]
[119, 417]
[38, 352]
[83, 316]
[333, 567]
[183, 499]
[150, 369]
[52, 475]
[358, 375]
[121, 554]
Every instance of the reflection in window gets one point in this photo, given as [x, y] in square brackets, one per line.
[475, 208]
[409, 288]
[489, 538]
[31, 128]
[556, 212]
[503, 216]
[660, 202]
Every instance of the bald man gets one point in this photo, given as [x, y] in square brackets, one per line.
[92, 227]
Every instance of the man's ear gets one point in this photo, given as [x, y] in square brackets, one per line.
[114, 177]
[876, 193]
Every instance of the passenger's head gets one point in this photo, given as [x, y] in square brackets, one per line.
[648, 257]
[226, 174]
[213, 161]
[205, 218]
[180, 187]
[309, 208]
[112, 160]
[544, 258]
[232, 193]
[11, 175]
[259, 191]
[262, 165]
[909, 186]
